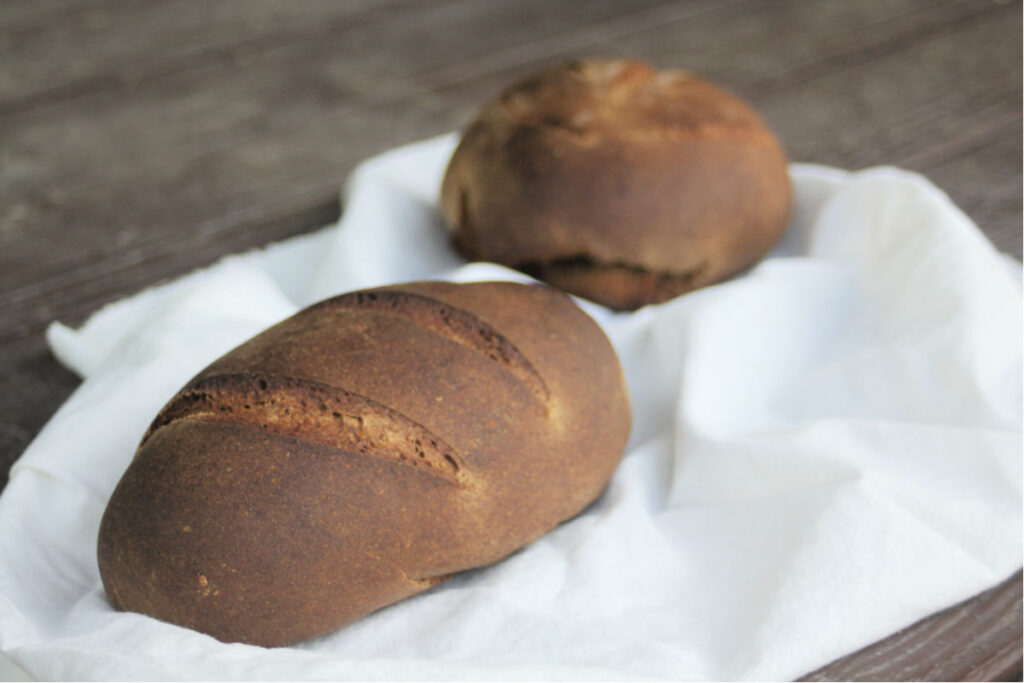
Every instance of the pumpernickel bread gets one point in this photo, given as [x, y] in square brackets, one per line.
[617, 182]
[360, 452]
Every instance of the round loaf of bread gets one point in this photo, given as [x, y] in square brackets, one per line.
[362, 451]
[618, 183]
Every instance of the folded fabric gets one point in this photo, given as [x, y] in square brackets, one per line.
[825, 449]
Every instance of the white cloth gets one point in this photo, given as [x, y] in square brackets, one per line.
[825, 450]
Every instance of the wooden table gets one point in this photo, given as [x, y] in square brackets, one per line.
[139, 140]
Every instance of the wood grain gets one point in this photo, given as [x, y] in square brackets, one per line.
[935, 648]
[141, 140]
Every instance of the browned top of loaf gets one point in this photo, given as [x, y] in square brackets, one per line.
[616, 164]
[361, 451]
[594, 101]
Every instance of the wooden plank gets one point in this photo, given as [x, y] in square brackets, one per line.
[928, 95]
[27, 16]
[977, 640]
[34, 387]
[146, 264]
[981, 171]
[66, 50]
[358, 60]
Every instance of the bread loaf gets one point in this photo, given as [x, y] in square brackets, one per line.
[618, 183]
[362, 451]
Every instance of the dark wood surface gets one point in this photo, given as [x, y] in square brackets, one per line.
[139, 140]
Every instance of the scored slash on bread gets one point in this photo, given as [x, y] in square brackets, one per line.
[456, 324]
[314, 412]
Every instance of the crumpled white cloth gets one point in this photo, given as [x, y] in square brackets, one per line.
[825, 449]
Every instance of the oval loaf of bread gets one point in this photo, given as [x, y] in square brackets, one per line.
[361, 451]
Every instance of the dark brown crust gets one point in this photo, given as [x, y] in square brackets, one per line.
[648, 175]
[284, 520]
[623, 286]
[314, 412]
[456, 324]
